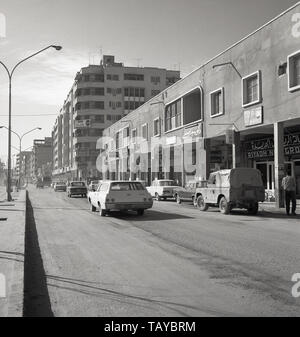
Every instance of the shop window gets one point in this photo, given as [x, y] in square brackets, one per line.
[217, 103]
[294, 71]
[251, 89]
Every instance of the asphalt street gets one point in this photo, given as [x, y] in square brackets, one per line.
[174, 261]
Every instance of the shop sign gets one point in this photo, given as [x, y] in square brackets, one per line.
[264, 148]
[195, 131]
[171, 140]
[86, 123]
[253, 116]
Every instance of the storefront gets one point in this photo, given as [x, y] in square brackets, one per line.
[260, 153]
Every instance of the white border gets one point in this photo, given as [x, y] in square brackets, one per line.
[258, 101]
[222, 113]
[289, 58]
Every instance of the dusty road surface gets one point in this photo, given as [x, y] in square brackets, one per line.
[174, 261]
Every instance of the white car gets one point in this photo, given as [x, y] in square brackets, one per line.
[163, 189]
[120, 196]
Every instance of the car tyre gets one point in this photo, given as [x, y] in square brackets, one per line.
[93, 208]
[201, 204]
[102, 212]
[253, 210]
[224, 206]
[140, 212]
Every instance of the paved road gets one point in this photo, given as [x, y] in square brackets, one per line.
[174, 261]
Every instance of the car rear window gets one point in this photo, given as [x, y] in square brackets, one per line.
[167, 183]
[124, 186]
[77, 184]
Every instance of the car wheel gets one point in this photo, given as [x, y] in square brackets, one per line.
[93, 208]
[201, 204]
[224, 206]
[194, 201]
[140, 212]
[253, 210]
[102, 212]
[157, 197]
[178, 200]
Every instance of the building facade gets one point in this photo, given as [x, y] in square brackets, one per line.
[23, 166]
[239, 109]
[42, 154]
[101, 95]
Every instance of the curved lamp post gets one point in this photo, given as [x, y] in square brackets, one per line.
[10, 75]
[20, 145]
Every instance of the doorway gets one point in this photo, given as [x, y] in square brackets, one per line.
[267, 170]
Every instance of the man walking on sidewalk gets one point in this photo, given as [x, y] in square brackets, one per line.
[289, 186]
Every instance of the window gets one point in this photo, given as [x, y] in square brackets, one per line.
[134, 135]
[108, 117]
[217, 103]
[155, 79]
[145, 131]
[99, 118]
[156, 127]
[108, 77]
[252, 89]
[99, 105]
[99, 91]
[115, 77]
[133, 77]
[99, 78]
[173, 116]
[294, 71]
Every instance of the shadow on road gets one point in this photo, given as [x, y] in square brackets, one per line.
[36, 296]
[150, 215]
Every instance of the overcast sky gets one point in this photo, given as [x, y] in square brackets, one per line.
[161, 33]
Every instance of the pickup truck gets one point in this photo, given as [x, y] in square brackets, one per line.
[228, 189]
[163, 189]
[120, 196]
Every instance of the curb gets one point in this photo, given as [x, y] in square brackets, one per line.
[16, 287]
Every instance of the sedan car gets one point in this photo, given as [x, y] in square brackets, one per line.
[77, 188]
[187, 193]
[120, 196]
[60, 187]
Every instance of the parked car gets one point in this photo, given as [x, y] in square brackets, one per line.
[228, 189]
[187, 193]
[76, 188]
[162, 189]
[60, 186]
[39, 184]
[120, 196]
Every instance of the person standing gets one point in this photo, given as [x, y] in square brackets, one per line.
[289, 187]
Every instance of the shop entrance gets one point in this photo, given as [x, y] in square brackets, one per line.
[267, 170]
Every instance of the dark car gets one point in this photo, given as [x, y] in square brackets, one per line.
[77, 188]
[187, 193]
[60, 187]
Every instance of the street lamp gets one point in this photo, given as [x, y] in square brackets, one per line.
[20, 144]
[10, 76]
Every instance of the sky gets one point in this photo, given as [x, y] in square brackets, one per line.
[173, 34]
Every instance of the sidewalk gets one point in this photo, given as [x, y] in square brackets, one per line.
[271, 207]
[12, 236]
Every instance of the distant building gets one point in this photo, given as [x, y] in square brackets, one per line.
[42, 154]
[100, 96]
[23, 166]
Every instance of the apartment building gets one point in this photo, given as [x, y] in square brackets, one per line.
[23, 166]
[42, 155]
[100, 96]
[239, 109]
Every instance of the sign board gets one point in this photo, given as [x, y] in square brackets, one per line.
[253, 117]
[195, 131]
[85, 123]
[264, 148]
[171, 140]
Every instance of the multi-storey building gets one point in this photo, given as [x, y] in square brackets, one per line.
[239, 109]
[101, 95]
[23, 166]
[42, 154]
